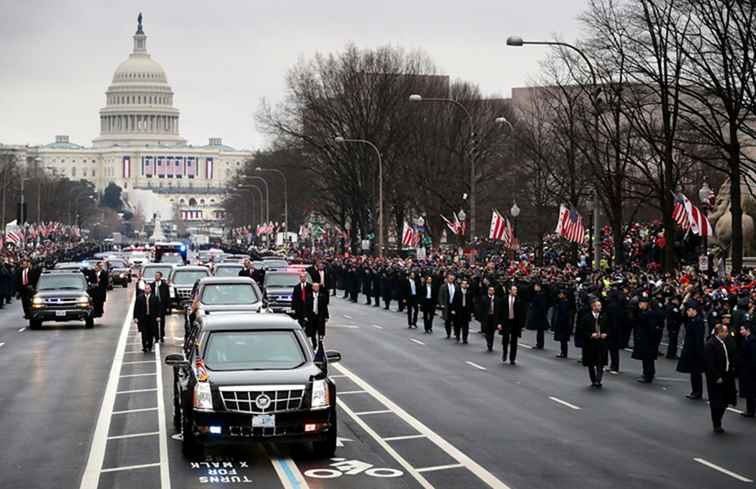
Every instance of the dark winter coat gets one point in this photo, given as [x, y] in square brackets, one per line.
[692, 356]
[594, 349]
[644, 335]
[537, 310]
[747, 368]
[562, 320]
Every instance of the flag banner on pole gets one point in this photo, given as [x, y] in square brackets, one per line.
[148, 166]
[408, 235]
[191, 167]
[209, 168]
[570, 225]
[454, 226]
[501, 229]
[179, 167]
[690, 217]
[126, 167]
[169, 167]
[160, 167]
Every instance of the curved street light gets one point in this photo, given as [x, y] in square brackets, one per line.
[343, 140]
[262, 200]
[286, 197]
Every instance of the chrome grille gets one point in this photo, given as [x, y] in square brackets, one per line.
[282, 398]
[184, 293]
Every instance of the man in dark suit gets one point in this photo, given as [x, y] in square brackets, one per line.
[692, 359]
[428, 304]
[720, 381]
[249, 270]
[317, 314]
[100, 289]
[162, 292]
[26, 283]
[462, 308]
[146, 311]
[410, 293]
[301, 293]
[510, 325]
[490, 314]
[594, 329]
[318, 274]
[446, 294]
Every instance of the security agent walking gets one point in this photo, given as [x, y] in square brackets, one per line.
[692, 359]
[562, 322]
[410, 293]
[462, 309]
[644, 340]
[720, 380]
[100, 289]
[26, 283]
[446, 295]
[300, 295]
[510, 325]
[428, 304]
[317, 314]
[490, 314]
[162, 292]
[746, 369]
[146, 311]
[594, 330]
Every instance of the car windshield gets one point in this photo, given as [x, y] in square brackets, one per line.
[61, 282]
[188, 277]
[282, 279]
[227, 271]
[253, 350]
[117, 264]
[228, 294]
[149, 272]
[171, 258]
[271, 264]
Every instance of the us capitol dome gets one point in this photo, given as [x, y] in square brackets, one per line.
[141, 150]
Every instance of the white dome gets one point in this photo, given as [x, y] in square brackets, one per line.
[140, 68]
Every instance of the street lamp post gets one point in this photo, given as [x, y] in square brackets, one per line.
[419, 98]
[515, 213]
[260, 194]
[704, 194]
[286, 197]
[267, 196]
[343, 140]
[517, 41]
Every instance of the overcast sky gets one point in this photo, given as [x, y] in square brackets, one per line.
[57, 57]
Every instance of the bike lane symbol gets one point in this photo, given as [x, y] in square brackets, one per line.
[342, 466]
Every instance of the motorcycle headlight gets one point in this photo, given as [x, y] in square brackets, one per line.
[321, 395]
[203, 398]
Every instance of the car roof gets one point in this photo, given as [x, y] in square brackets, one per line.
[284, 272]
[229, 264]
[192, 268]
[226, 280]
[244, 321]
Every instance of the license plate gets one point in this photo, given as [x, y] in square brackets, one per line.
[60, 314]
[264, 421]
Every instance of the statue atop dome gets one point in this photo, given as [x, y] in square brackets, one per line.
[139, 24]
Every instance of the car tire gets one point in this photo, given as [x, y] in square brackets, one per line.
[327, 447]
[89, 323]
[35, 324]
[189, 445]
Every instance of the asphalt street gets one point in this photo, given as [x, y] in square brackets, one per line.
[88, 409]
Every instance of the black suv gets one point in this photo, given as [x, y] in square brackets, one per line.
[61, 296]
[251, 377]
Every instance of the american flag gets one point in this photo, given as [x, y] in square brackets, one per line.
[456, 227]
[160, 167]
[14, 237]
[408, 235]
[169, 165]
[570, 225]
[690, 217]
[179, 167]
[191, 167]
[501, 229]
[149, 166]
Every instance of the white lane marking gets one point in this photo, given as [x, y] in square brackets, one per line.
[165, 474]
[722, 470]
[416, 341]
[134, 351]
[407, 466]
[140, 361]
[337, 376]
[564, 403]
[22, 330]
[440, 467]
[347, 316]
[134, 391]
[629, 349]
[733, 410]
[405, 437]
[480, 472]
[135, 435]
[1, 344]
[378, 411]
[340, 441]
[141, 410]
[341, 393]
[473, 364]
[138, 375]
[526, 346]
[376, 326]
[345, 326]
[671, 379]
[91, 477]
[130, 467]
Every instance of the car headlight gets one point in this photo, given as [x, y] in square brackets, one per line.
[172, 292]
[203, 398]
[83, 301]
[37, 301]
[321, 395]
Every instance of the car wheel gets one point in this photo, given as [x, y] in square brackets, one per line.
[189, 444]
[89, 323]
[35, 324]
[327, 447]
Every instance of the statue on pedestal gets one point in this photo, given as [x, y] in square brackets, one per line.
[721, 220]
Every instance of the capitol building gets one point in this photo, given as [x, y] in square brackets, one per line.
[140, 149]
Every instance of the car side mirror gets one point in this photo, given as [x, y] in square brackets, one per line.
[333, 356]
[176, 360]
